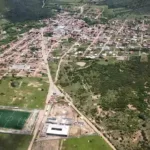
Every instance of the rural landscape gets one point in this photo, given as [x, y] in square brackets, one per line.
[74, 75]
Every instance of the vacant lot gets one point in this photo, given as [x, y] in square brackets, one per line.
[13, 119]
[14, 142]
[23, 92]
[86, 143]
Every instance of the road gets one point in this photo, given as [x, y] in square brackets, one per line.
[103, 48]
[86, 119]
[42, 117]
[61, 59]
[141, 42]
[97, 17]
[43, 3]
[52, 87]
[93, 42]
[82, 9]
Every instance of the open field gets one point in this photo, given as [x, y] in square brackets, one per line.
[23, 92]
[13, 119]
[14, 142]
[85, 143]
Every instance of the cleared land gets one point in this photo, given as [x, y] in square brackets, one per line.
[23, 92]
[85, 143]
[14, 142]
[13, 119]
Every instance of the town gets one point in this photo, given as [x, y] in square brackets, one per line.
[118, 39]
[27, 63]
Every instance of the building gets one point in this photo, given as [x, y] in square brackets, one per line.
[20, 67]
[61, 121]
[58, 130]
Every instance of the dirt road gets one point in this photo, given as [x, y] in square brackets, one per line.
[93, 42]
[103, 48]
[61, 59]
[86, 119]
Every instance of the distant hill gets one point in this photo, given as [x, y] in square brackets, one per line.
[128, 3]
[22, 10]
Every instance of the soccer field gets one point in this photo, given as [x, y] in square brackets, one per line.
[13, 119]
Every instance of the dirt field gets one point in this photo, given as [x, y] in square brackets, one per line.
[46, 145]
[82, 64]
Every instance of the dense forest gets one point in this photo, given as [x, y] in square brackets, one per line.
[22, 10]
[127, 3]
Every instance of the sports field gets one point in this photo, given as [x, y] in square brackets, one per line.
[86, 143]
[23, 92]
[13, 119]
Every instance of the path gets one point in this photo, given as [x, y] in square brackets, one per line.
[43, 3]
[82, 9]
[61, 59]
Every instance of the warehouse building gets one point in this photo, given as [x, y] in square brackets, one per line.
[58, 130]
[62, 121]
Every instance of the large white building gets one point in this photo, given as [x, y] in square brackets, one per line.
[20, 67]
[58, 130]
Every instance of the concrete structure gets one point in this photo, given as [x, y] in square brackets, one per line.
[20, 67]
[58, 130]
[61, 121]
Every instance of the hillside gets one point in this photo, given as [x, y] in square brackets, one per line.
[24, 10]
[127, 3]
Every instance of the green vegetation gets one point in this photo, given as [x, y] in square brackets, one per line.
[14, 142]
[26, 10]
[120, 87]
[12, 30]
[86, 143]
[23, 92]
[13, 119]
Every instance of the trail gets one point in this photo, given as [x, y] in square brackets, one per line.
[82, 9]
[43, 3]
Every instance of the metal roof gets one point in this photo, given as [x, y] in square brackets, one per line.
[58, 130]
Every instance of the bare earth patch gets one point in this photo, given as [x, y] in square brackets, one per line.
[46, 145]
[131, 107]
[82, 64]
[136, 136]
[35, 84]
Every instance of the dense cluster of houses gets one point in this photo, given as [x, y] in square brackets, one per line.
[24, 57]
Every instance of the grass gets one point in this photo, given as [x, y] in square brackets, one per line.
[14, 142]
[13, 119]
[95, 143]
[23, 92]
